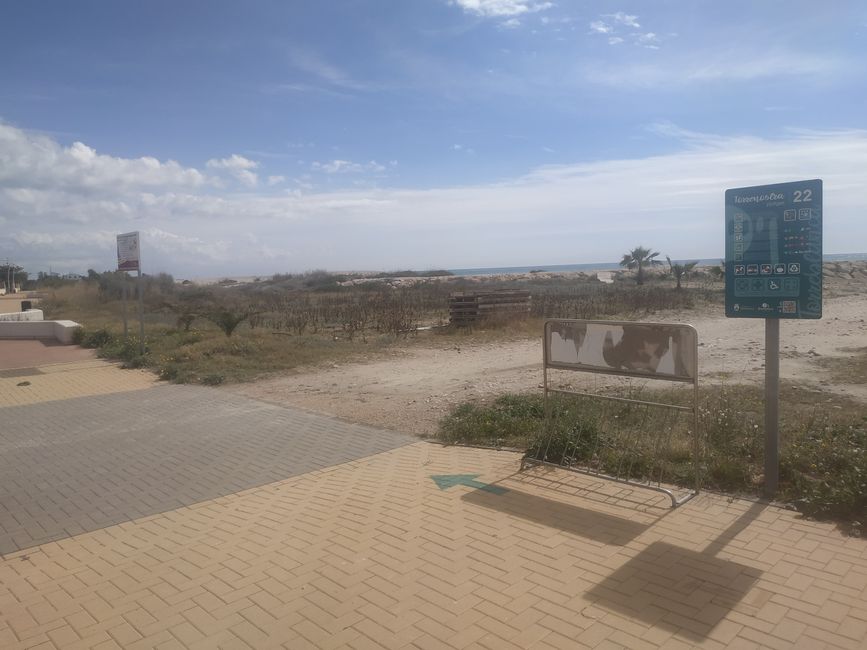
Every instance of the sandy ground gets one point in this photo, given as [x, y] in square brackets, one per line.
[12, 303]
[412, 390]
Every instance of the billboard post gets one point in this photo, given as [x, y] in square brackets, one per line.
[129, 259]
[123, 308]
[774, 271]
[141, 345]
[772, 406]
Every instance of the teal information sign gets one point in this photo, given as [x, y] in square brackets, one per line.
[774, 251]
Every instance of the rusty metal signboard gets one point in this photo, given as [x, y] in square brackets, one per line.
[648, 350]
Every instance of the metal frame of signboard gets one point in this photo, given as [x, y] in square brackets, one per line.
[693, 379]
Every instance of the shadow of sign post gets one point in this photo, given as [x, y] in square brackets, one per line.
[689, 592]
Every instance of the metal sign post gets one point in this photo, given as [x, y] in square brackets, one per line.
[123, 308]
[129, 259]
[774, 271]
[772, 406]
[141, 340]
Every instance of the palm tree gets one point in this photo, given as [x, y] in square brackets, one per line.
[638, 258]
[680, 271]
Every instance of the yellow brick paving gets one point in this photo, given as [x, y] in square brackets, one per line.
[68, 380]
[373, 554]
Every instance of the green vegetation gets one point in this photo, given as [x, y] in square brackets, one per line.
[203, 335]
[208, 356]
[639, 258]
[823, 449]
[597, 300]
[238, 332]
[12, 275]
[680, 271]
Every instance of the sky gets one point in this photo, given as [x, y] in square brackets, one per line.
[256, 137]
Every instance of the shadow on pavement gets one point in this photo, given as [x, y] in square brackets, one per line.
[683, 590]
[570, 518]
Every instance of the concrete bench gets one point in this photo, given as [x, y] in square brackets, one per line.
[60, 330]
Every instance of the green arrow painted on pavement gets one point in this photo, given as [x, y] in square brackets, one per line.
[445, 481]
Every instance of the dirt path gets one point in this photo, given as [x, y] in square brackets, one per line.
[414, 389]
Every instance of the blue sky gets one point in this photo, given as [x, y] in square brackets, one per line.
[257, 137]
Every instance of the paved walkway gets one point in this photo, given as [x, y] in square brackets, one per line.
[238, 544]
[81, 464]
[63, 381]
[29, 354]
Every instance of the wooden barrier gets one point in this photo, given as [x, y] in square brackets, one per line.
[466, 308]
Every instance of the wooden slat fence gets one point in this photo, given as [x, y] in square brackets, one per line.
[466, 308]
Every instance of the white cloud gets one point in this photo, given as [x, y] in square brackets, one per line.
[624, 25]
[624, 19]
[237, 166]
[511, 23]
[649, 40]
[347, 167]
[302, 88]
[37, 161]
[178, 246]
[233, 162]
[276, 180]
[582, 212]
[464, 149]
[312, 64]
[599, 27]
[766, 63]
[60, 241]
[498, 8]
[740, 64]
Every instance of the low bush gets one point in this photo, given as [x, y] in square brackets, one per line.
[511, 420]
[826, 471]
[823, 460]
[126, 349]
[93, 339]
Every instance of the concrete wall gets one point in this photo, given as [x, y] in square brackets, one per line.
[30, 314]
[60, 330]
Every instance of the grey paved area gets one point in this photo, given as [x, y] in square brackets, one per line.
[78, 465]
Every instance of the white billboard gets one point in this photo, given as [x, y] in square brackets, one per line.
[657, 350]
[128, 252]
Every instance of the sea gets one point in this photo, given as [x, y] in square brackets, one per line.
[605, 266]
